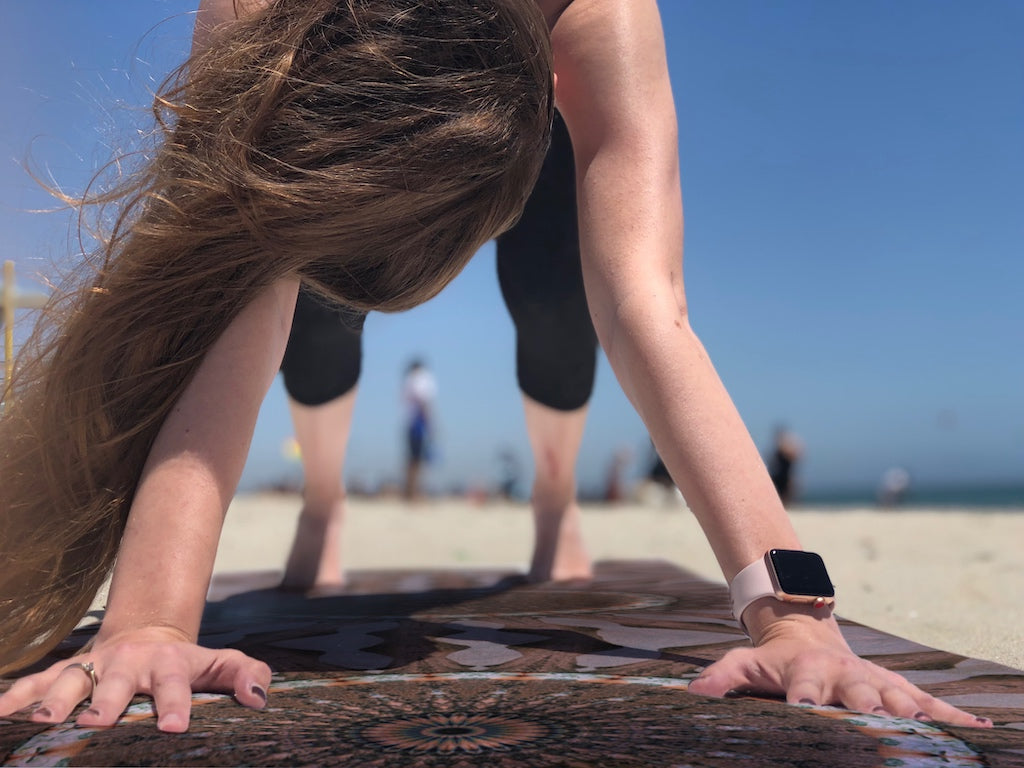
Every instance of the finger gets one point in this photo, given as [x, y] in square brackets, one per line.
[859, 696]
[29, 690]
[172, 698]
[731, 672]
[937, 709]
[807, 691]
[234, 672]
[252, 682]
[24, 693]
[71, 686]
[910, 701]
[901, 704]
[111, 698]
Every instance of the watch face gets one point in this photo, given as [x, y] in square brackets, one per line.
[801, 573]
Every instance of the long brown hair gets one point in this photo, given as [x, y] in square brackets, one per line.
[367, 146]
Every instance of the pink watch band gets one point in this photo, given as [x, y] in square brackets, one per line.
[750, 584]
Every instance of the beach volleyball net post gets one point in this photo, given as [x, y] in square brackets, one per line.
[12, 299]
[8, 319]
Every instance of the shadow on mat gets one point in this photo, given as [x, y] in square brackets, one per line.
[411, 619]
[359, 628]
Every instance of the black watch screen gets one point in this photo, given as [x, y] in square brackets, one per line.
[801, 573]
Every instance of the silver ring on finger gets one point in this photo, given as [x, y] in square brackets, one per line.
[90, 670]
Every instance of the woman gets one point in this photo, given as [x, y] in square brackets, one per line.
[538, 264]
[435, 142]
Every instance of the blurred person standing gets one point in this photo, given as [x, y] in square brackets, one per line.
[782, 462]
[419, 391]
[893, 487]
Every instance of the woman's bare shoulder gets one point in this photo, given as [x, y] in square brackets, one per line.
[552, 9]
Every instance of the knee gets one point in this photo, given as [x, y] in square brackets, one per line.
[555, 479]
[556, 354]
[323, 493]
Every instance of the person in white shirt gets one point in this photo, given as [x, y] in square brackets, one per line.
[419, 390]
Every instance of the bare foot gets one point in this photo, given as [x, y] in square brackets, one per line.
[559, 553]
[314, 562]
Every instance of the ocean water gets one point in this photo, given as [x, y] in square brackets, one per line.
[987, 497]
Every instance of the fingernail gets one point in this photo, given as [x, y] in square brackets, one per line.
[44, 712]
[809, 702]
[91, 711]
[983, 720]
[172, 722]
[258, 691]
[880, 710]
[922, 716]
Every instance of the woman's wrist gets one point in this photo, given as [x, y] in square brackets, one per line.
[169, 600]
[767, 618]
[142, 632]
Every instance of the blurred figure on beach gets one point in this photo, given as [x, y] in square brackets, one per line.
[893, 487]
[510, 473]
[615, 484]
[786, 452]
[658, 473]
[419, 391]
[657, 486]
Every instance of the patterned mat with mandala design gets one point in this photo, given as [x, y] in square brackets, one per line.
[476, 668]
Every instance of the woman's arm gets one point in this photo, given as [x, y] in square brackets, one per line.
[146, 643]
[614, 92]
[192, 472]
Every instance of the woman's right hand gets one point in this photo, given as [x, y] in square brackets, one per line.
[158, 662]
[146, 644]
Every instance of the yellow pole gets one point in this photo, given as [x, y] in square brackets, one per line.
[8, 301]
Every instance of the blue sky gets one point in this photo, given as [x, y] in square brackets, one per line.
[853, 176]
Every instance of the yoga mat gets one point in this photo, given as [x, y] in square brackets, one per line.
[478, 668]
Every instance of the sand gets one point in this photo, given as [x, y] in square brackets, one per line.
[949, 579]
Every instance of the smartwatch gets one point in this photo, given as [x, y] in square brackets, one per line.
[788, 575]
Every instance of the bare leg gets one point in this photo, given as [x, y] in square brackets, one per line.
[558, 551]
[322, 433]
[411, 491]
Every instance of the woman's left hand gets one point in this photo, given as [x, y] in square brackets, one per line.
[807, 661]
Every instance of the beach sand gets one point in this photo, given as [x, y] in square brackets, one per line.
[949, 579]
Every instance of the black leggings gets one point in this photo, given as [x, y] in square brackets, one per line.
[541, 280]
